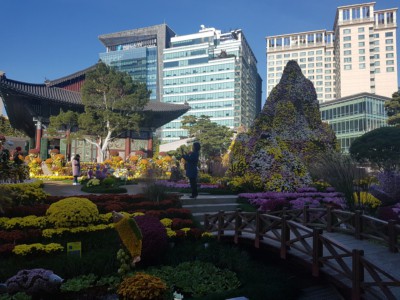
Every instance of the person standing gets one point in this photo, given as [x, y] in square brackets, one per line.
[76, 168]
[192, 160]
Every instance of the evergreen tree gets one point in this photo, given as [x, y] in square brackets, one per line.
[113, 104]
[393, 109]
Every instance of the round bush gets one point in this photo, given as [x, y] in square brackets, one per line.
[142, 286]
[155, 240]
[72, 212]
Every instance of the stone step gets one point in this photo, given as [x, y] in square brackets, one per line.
[206, 208]
[208, 199]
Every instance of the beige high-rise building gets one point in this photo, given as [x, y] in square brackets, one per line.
[359, 55]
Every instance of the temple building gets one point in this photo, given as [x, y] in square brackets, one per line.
[29, 107]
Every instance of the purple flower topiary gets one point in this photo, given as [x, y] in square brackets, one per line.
[155, 240]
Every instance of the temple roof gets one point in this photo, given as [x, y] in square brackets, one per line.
[25, 101]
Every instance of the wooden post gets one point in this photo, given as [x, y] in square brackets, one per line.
[329, 218]
[318, 251]
[305, 215]
[357, 274]
[220, 224]
[358, 225]
[238, 225]
[285, 237]
[257, 237]
[206, 222]
[392, 236]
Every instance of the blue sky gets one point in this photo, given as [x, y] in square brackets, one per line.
[53, 38]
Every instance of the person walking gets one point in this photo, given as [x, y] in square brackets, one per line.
[76, 168]
[192, 160]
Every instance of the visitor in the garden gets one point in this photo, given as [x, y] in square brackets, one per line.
[192, 160]
[76, 168]
[16, 156]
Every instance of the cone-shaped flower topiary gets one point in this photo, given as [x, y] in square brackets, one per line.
[287, 134]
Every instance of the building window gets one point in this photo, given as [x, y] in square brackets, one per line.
[319, 76]
[347, 38]
[318, 52]
[365, 11]
[388, 34]
[328, 65]
[389, 41]
[361, 36]
[318, 64]
[328, 77]
[361, 66]
[347, 45]
[361, 44]
[389, 55]
[356, 13]
[389, 48]
[347, 67]
[361, 58]
[377, 70]
[390, 69]
[381, 18]
[346, 14]
[286, 55]
[310, 59]
[302, 60]
[302, 54]
[360, 29]
[311, 65]
[361, 51]
[347, 59]
[310, 52]
[295, 54]
[271, 56]
[389, 17]
[347, 52]
[390, 62]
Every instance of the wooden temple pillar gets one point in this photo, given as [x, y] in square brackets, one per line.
[38, 134]
[150, 143]
[127, 147]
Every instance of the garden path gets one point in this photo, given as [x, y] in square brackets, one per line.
[60, 188]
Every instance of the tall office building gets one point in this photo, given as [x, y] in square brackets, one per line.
[216, 74]
[359, 55]
[139, 52]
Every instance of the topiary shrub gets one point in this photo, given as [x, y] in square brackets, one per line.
[155, 240]
[142, 286]
[72, 212]
[198, 278]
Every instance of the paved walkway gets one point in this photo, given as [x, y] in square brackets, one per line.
[59, 188]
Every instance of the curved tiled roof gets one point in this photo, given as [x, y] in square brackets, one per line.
[40, 91]
[160, 113]
[72, 76]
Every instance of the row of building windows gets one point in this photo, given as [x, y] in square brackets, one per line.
[208, 69]
[356, 125]
[369, 107]
[199, 88]
[296, 54]
[187, 53]
[197, 79]
[198, 97]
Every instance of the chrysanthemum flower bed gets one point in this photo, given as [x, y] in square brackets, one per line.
[271, 201]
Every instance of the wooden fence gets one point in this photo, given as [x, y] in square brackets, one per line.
[300, 231]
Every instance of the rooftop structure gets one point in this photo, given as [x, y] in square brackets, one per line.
[359, 55]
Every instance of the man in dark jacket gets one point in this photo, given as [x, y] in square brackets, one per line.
[192, 160]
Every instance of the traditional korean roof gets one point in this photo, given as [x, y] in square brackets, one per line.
[25, 101]
[70, 77]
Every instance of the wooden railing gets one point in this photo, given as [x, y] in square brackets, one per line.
[300, 232]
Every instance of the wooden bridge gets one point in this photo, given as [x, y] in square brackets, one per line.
[355, 250]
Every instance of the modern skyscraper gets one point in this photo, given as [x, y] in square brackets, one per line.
[359, 55]
[216, 74]
[139, 52]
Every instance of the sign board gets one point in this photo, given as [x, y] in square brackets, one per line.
[74, 248]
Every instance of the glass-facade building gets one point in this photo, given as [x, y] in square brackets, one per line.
[350, 117]
[216, 74]
[139, 53]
